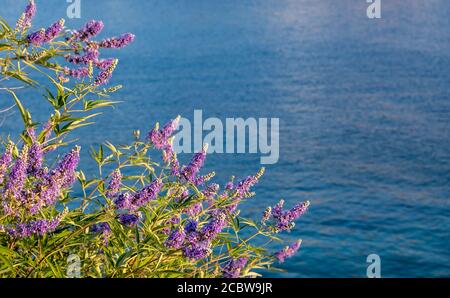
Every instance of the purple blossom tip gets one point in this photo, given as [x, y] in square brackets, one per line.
[160, 137]
[148, 193]
[91, 29]
[53, 31]
[5, 161]
[25, 19]
[176, 239]
[38, 227]
[114, 185]
[232, 268]
[128, 220]
[197, 250]
[117, 42]
[37, 38]
[104, 76]
[288, 251]
[190, 172]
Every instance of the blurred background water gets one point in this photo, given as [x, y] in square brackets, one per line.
[363, 104]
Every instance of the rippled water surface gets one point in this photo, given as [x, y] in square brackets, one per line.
[363, 104]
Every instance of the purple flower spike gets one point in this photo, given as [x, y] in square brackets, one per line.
[25, 19]
[53, 31]
[65, 171]
[243, 187]
[277, 210]
[17, 176]
[197, 251]
[288, 251]
[91, 29]
[101, 227]
[37, 38]
[128, 220]
[39, 227]
[5, 162]
[233, 268]
[190, 226]
[104, 64]
[123, 201]
[192, 235]
[56, 180]
[117, 42]
[104, 229]
[160, 137]
[77, 73]
[190, 172]
[214, 227]
[91, 55]
[105, 75]
[147, 194]
[35, 155]
[176, 239]
[114, 185]
[210, 191]
[284, 220]
[193, 210]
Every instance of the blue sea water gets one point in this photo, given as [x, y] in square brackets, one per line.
[364, 110]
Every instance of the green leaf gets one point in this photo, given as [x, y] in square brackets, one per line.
[26, 117]
[7, 252]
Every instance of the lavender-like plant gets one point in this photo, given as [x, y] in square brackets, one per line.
[141, 216]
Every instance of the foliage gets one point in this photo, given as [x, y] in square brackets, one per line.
[143, 217]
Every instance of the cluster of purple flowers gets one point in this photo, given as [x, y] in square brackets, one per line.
[176, 239]
[129, 220]
[232, 268]
[214, 226]
[284, 220]
[76, 72]
[53, 182]
[104, 75]
[90, 29]
[28, 186]
[25, 19]
[91, 54]
[210, 191]
[131, 202]
[161, 139]
[190, 172]
[196, 243]
[38, 227]
[79, 40]
[194, 209]
[5, 161]
[140, 198]
[117, 42]
[104, 229]
[288, 251]
[241, 190]
[146, 194]
[16, 180]
[42, 36]
[197, 250]
[35, 155]
[114, 185]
